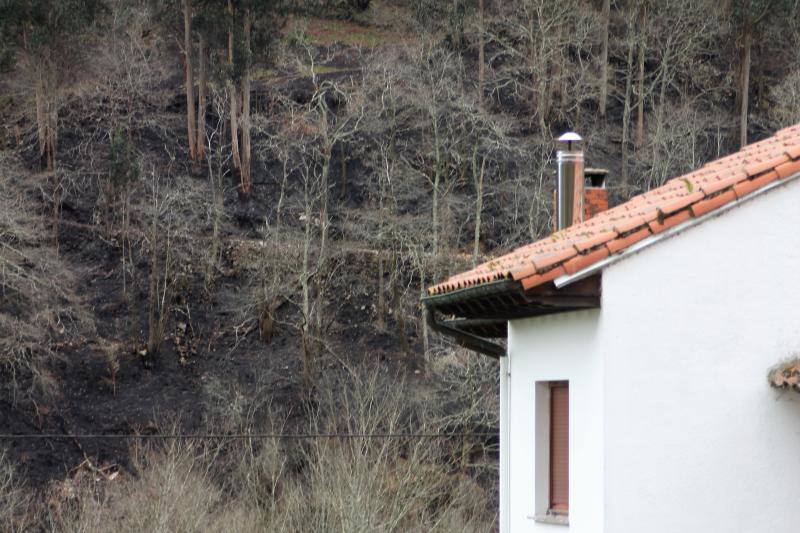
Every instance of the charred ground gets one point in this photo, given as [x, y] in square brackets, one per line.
[143, 293]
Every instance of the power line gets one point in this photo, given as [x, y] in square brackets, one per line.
[239, 436]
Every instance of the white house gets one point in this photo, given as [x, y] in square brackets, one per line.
[634, 390]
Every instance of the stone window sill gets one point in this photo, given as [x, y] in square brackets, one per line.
[555, 519]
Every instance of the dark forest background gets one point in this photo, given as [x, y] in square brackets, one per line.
[218, 216]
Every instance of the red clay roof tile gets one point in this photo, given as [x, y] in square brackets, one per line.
[744, 188]
[626, 225]
[549, 259]
[597, 240]
[701, 208]
[763, 166]
[787, 169]
[718, 183]
[695, 194]
[660, 225]
[793, 151]
[672, 205]
[582, 261]
[629, 240]
[541, 279]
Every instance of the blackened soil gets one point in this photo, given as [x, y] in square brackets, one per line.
[106, 382]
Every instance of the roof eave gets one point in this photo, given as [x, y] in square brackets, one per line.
[478, 314]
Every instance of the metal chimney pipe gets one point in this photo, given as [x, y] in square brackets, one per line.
[569, 189]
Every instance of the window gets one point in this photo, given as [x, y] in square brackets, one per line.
[552, 452]
[559, 448]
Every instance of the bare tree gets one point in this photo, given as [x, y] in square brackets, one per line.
[682, 31]
[217, 157]
[431, 80]
[642, 32]
[481, 50]
[245, 170]
[749, 16]
[189, 79]
[160, 276]
[533, 37]
[233, 97]
[202, 91]
[604, 24]
[627, 106]
[47, 40]
[332, 127]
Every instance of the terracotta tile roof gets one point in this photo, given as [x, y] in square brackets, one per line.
[692, 195]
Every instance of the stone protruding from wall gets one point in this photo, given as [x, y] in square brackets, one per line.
[786, 376]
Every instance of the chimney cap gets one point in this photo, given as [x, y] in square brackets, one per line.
[570, 136]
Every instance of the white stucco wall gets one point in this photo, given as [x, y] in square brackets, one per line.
[554, 348]
[673, 426]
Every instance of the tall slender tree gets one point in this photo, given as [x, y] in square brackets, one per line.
[749, 16]
[247, 180]
[252, 26]
[481, 50]
[202, 92]
[232, 91]
[189, 78]
[640, 96]
[605, 23]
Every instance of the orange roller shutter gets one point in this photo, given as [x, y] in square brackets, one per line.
[559, 448]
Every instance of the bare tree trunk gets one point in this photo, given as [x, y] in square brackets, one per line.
[125, 242]
[52, 128]
[57, 193]
[554, 94]
[44, 98]
[659, 119]
[247, 180]
[436, 180]
[46, 128]
[305, 276]
[41, 114]
[481, 52]
[476, 247]
[626, 111]
[399, 311]
[382, 220]
[744, 87]
[46, 118]
[343, 170]
[41, 122]
[282, 195]
[215, 188]
[426, 345]
[153, 338]
[187, 56]
[640, 82]
[323, 235]
[604, 58]
[381, 310]
[305, 284]
[542, 93]
[237, 161]
[202, 89]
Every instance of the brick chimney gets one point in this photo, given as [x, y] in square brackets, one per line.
[595, 194]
